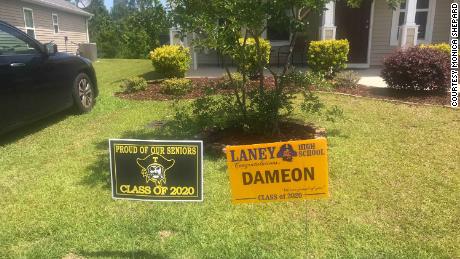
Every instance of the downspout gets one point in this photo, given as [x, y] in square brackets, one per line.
[87, 31]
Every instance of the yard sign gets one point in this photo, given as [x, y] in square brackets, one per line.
[279, 171]
[156, 170]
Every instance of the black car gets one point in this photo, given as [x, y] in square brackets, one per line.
[37, 81]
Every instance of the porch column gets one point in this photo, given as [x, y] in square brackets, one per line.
[194, 55]
[409, 30]
[175, 39]
[327, 30]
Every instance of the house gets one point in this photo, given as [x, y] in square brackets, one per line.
[374, 31]
[57, 21]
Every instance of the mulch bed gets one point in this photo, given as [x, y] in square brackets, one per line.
[200, 87]
[288, 131]
[203, 85]
[215, 141]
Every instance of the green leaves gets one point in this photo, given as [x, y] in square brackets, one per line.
[129, 31]
[171, 60]
[328, 56]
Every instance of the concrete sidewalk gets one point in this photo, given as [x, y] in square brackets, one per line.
[209, 72]
[369, 77]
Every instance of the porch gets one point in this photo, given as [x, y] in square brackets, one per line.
[369, 77]
[374, 31]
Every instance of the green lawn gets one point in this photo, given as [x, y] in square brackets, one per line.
[394, 184]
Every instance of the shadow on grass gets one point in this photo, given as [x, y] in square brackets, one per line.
[32, 128]
[416, 96]
[336, 133]
[151, 75]
[122, 254]
[99, 172]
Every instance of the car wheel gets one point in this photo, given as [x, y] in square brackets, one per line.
[83, 94]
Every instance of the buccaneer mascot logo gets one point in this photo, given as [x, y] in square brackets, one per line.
[154, 168]
[287, 152]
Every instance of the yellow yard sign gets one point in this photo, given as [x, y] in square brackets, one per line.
[281, 171]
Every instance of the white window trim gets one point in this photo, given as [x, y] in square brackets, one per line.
[54, 24]
[33, 20]
[429, 24]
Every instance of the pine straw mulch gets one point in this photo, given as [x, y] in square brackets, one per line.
[203, 85]
[288, 130]
[216, 140]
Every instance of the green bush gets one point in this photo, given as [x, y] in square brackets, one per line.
[171, 61]
[176, 86]
[249, 60]
[328, 56]
[444, 47]
[348, 79]
[419, 69]
[299, 79]
[227, 82]
[133, 84]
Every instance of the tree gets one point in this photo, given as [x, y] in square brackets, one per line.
[220, 24]
[140, 24]
[102, 30]
[131, 30]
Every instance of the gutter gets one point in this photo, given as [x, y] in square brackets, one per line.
[58, 7]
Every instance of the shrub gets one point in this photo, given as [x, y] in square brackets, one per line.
[328, 56]
[176, 86]
[171, 61]
[444, 47]
[228, 84]
[249, 60]
[133, 84]
[347, 79]
[417, 69]
[307, 79]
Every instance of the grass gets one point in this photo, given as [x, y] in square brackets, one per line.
[394, 187]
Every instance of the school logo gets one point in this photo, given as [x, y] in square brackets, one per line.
[154, 168]
[286, 152]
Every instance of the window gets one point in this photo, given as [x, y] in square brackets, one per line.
[29, 22]
[278, 29]
[423, 18]
[277, 32]
[12, 45]
[55, 23]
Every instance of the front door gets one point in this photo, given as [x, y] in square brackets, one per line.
[353, 24]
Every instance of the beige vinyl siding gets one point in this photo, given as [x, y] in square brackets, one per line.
[441, 25]
[208, 58]
[381, 31]
[11, 12]
[71, 25]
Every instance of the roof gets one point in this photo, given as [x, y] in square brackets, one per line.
[62, 5]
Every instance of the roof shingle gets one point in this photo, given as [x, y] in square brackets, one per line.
[60, 5]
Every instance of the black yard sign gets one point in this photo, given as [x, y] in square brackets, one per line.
[156, 170]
